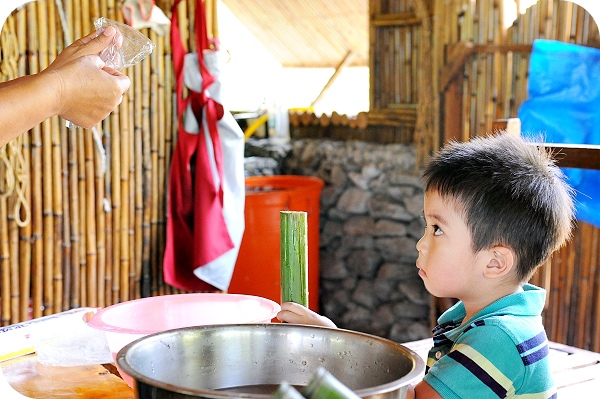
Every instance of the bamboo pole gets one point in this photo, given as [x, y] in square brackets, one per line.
[141, 134]
[115, 270]
[131, 207]
[25, 231]
[583, 291]
[48, 221]
[36, 175]
[100, 224]
[54, 154]
[90, 220]
[5, 269]
[341, 66]
[13, 257]
[66, 241]
[108, 220]
[73, 164]
[153, 162]
[81, 217]
[124, 181]
[113, 192]
[170, 135]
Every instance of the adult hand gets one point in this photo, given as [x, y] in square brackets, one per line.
[77, 86]
[87, 90]
[92, 44]
[292, 312]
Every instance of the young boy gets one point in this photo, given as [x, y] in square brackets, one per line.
[495, 209]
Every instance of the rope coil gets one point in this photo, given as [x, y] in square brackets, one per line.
[14, 179]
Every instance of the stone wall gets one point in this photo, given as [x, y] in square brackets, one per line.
[370, 223]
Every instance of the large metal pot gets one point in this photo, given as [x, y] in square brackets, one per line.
[251, 360]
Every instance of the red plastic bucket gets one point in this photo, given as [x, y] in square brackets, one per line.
[257, 270]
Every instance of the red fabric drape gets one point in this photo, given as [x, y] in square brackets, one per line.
[196, 229]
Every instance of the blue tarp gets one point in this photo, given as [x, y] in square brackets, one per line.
[563, 106]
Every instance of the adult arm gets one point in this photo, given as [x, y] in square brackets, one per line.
[76, 86]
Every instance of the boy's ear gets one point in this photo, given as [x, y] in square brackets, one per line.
[501, 262]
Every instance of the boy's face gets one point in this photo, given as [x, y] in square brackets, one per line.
[446, 262]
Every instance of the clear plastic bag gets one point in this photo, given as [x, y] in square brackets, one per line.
[128, 47]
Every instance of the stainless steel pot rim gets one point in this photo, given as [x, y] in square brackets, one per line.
[417, 368]
[418, 365]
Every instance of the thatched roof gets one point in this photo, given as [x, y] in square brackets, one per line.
[308, 33]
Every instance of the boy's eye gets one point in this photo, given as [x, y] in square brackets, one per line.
[436, 230]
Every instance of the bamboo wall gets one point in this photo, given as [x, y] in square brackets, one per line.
[91, 237]
[493, 77]
[490, 83]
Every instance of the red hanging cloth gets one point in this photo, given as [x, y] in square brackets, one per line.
[196, 229]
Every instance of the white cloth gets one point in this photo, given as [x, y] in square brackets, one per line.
[218, 272]
[145, 14]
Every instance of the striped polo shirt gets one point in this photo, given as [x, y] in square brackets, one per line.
[502, 352]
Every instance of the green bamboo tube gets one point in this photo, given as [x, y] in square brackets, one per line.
[286, 391]
[294, 257]
[324, 385]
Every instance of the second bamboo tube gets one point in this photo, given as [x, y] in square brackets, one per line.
[294, 257]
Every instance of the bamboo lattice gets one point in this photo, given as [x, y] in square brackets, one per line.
[94, 237]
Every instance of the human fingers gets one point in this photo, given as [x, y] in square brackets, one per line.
[89, 93]
[87, 45]
[123, 80]
[95, 43]
[292, 312]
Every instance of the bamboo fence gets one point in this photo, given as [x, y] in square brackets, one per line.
[495, 75]
[494, 85]
[71, 233]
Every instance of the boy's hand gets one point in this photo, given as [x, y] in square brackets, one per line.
[295, 313]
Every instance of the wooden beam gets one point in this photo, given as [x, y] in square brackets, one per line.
[583, 156]
[396, 19]
[345, 62]
[457, 55]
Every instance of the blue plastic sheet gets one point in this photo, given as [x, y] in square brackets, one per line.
[563, 106]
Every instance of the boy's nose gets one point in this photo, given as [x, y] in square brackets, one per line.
[421, 244]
